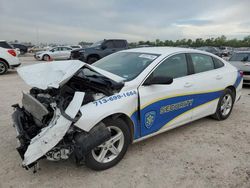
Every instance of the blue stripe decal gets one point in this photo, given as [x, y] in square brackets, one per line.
[238, 80]
[158, 114]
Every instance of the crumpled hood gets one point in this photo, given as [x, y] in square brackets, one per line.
[57, 73]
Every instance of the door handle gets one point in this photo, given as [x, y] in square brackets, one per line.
[219, 77]
[187, 84]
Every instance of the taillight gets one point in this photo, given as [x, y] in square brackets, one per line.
[241, 73]
[12, 52]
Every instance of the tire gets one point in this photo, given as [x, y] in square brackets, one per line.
[109, 159]
[3, 67]
[46, 57]
[225, 105]
[91, 60]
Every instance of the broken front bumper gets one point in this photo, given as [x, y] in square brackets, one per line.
[33, 148]
[19, 117]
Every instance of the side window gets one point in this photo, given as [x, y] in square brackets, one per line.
[65, 49]
[202, 62]
[175, 67]
[217, 63]
[56, 49]
[119, 43]
[109, 44]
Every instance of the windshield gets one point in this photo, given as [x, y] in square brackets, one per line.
[96, 44]
[127, 65]
[240, 57]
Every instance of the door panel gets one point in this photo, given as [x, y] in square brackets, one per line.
[161, 105]
[209, 84]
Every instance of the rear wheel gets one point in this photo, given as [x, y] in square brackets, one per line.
[112, 151]
[3, 67]
[225, 105]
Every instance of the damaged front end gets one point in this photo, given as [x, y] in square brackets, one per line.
[45, 121]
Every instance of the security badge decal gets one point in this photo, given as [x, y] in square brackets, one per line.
[149, 118]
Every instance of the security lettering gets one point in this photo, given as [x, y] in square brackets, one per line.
[176, 106]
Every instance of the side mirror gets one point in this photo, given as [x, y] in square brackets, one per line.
[52, 50]
[162, 80]
[103, 47]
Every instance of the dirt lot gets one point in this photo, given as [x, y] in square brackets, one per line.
[205, 153]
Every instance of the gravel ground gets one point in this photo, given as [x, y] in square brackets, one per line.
[204, 153]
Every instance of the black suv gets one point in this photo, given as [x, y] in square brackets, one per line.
[99, 50]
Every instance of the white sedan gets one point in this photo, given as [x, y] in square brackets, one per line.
[93, 112]
[56, 53]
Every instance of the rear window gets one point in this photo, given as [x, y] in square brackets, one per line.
[4, 44]
[119, 43]
[217, 63]
[202, 62]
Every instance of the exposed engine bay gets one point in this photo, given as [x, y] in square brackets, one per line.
[45, 121]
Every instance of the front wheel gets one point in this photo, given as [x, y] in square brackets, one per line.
[225, 105]
[46, 57]
[112, 151]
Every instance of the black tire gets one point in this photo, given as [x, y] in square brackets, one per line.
[46, 57]
[92, 163]
[92, 59]
[219, 114]
[3, 67]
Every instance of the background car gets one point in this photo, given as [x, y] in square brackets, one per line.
[56, 53]
[210, 49]
[8, 57]
[241, 60]
[226, 51]
[99, 50]
[22, 48]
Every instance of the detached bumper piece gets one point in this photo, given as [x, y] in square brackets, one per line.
[20, 120]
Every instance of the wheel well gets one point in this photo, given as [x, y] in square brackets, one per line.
[128, 122]
[5, 62]
[232, 88]
[93, 55]
[46, 54]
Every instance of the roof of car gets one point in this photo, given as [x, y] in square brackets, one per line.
[162, 50]
[247, 51]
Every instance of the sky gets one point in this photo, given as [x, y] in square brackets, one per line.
[72, 21]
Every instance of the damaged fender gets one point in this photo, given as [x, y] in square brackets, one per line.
[50, 136]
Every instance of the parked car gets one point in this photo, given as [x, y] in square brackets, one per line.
[99, 50]
[76, 46]
[226, 51]
[22, 48]
[56, 53]
[93, 112]
[35, 49]
[241, 60]
[8, 57]
[210, 49]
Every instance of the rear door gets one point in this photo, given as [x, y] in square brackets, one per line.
[110, 48]
[65, 53]
[119, 45]
[208, 80]
[166, 106]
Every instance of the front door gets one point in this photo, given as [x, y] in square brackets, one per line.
[165, 106]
